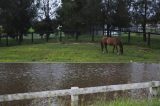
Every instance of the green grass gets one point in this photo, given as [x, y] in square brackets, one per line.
[71, 51]
[128, 102]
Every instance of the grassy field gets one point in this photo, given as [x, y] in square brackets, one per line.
[81, 51]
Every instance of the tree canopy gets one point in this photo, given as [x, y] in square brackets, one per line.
[17, 16]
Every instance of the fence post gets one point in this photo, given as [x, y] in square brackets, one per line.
[74, 98]
[153, 91]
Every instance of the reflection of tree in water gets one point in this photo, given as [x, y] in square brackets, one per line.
[88, 75]
[38, 77]
[94, 74]
[14, 80]
[142, 72]
[45, 76]
[18, 78]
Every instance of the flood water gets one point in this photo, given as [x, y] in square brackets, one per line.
[31, 77]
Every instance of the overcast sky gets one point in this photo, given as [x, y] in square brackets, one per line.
[54, 4]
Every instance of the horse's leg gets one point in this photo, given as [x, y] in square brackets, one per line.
[106, 48]
[113, 48]
[116, 48]
[102, 47]
[121, 48]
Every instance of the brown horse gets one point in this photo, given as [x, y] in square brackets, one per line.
[115, 41]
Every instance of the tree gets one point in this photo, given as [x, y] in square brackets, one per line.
[93, 15]
[46, 14]
[70, 16]
[141, 13]
[80, 15]
[47, 11]
[155, 18]
[17, 16]
[108, 10]
[121, 17]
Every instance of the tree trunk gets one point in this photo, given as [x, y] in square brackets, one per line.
[144, 33]
[0, 39]
[96, 30]
[47, 37]
[108, 30]
[145, 21]
[60, 36]
[7, 40]
[103, 29]
[20, 38]
[77, 34]
[90, 29]
[93, 30]
[32, 37]
[17, 38]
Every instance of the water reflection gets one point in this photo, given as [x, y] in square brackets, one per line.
[14, 78]
[87, 75]
[144, 72]
[18, 78]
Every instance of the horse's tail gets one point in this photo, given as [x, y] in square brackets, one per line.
[121, 47]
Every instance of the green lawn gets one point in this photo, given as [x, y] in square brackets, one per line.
[80, 52]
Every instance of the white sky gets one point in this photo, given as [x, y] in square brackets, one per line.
[53, 8]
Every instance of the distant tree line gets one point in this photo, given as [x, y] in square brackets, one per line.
[76, 16]
[86, 15]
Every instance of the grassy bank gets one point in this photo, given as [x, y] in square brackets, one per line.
[80, 52]
[129, 102]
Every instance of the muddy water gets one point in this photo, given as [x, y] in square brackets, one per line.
[28, 77]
